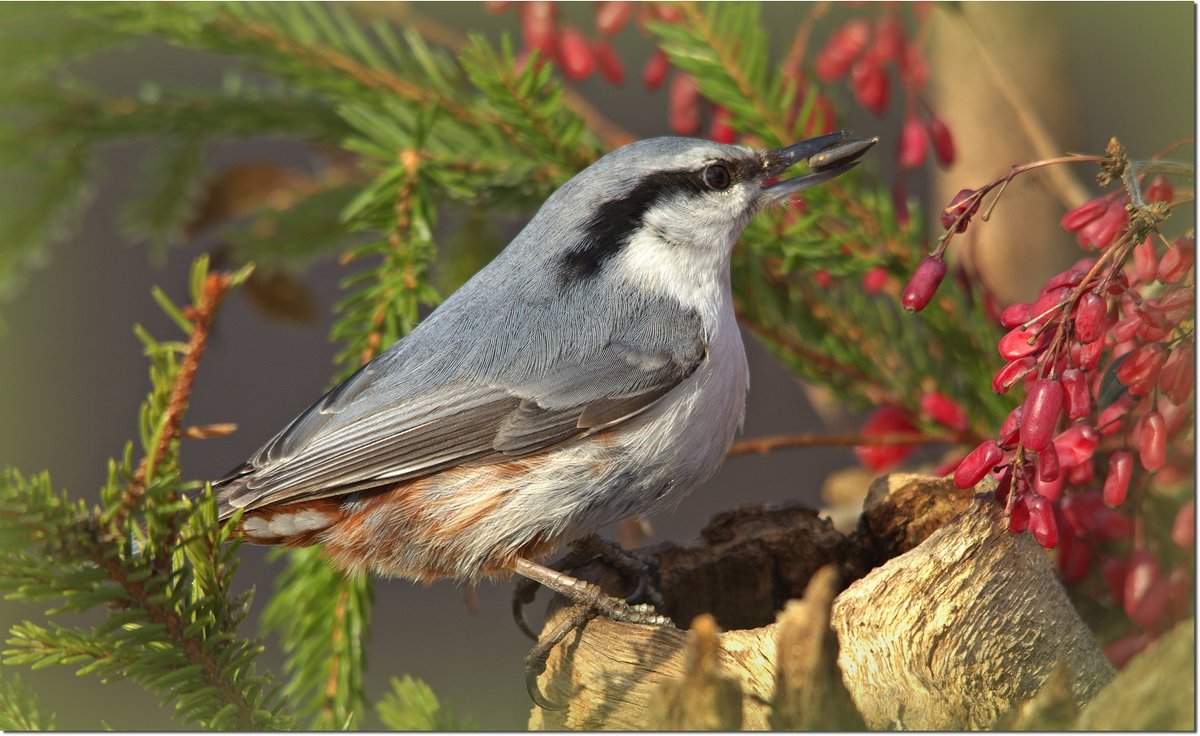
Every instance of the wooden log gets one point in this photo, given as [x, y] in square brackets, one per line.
[957, 631]
[809, 691]
[967, 622]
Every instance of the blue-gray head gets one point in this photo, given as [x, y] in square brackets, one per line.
[692, 196]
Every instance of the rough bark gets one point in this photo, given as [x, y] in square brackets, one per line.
[955, 632]
[960, 623]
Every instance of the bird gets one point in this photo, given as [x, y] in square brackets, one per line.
[592, 371]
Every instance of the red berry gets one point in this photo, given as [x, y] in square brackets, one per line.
[1112, 571]
[943, 143]
[1183, 531]
[1116, 483]
[1041, 521]
[1046, 303]
[1091, 318]
[1177, 261]
[1020, 342]
[1003, 478]
[1081, 474]
[575, 55]
[1152, 607]
[943, 410]
[1145, 261]
[1069, 278]
[961, 206]
[1015, 315]
[1076, 445]
[1152, 441]
[875, 280]
[913, 68]
[684, 104]
[612, 16]
[1085, 213]
[539, 27]
[884, 420]
[1109, 525]
[1100, 233]
[610, 64]
[1160, 190]
[1113, 417]
[666, 13]
[1077, 396]
[1011, 373]
[1048, 465]
[1089, 355]
[1126, 329]
[1050, 490]
[1139, 370]
[924, 282]
[655, 72]
[1018, 518]
[1074, 557]
[978, 464]
[1126, 648]
[912, 143]
[870, 84]
[1144, 598]
[823, 278]
[1178, 304]
[1042, 408]
[1011, 427]
[840, 51]
[722, 131]
[1178, 374]
[889, 39]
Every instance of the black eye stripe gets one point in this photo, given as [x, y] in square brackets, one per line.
[615, 221]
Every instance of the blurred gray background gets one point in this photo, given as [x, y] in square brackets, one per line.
[73, 377]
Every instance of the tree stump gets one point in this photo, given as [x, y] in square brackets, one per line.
[947, 621]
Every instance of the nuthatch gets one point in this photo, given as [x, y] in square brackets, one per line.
[592, 371]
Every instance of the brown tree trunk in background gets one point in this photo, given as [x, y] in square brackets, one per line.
[960, 625]
[981, 55]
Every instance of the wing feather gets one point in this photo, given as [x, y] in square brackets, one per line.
[366, 433]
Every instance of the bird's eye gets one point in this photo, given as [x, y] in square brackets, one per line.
[717, 176]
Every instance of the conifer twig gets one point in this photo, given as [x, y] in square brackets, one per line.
[769, 116]
[201, 314]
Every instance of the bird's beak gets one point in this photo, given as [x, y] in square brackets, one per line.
[827, 155]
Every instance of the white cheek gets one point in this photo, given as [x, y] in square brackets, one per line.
[682, 251]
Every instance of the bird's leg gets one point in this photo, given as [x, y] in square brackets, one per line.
[585, 550]
[589, 601]
[578, 591]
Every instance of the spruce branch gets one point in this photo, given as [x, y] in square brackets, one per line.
[163, 575]
[212, 291]
[411, 705]
[19, 709]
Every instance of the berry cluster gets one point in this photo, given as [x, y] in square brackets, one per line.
[579, 57]
[1106, 355]
[864, 50]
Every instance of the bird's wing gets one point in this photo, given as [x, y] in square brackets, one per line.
[390, 434]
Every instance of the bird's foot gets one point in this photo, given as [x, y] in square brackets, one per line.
[589, 601]
[630, 565]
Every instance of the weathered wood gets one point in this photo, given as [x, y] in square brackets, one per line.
[957, 631]
[705, 698]
[610, 674]
[809, 692]
[966, 623]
